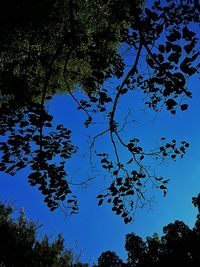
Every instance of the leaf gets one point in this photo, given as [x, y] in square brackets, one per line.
[105, 166]
[53, 208]
[10, 169]
[188, 48]
[130, 146]
[185, 65]
[115, 172]
[130, 192]
[187, 34]
[161, 48]
[159, 28]
[180, 78]
[173, 36]
[142, 157]
[166, 65]
[163, 187]
[48, 124]
[173, 111]
[124, 91]
[118, 212]
[154, 17]
[124, 214]
[119, 181]
[100, 202]
[160, 58]
[104, 160]
[184, 107]
[174, 57]
[126, 220]
[170, 103]
[103, 95]
[159, 179]
[108, 99]
[166, 181]
[177, 48]
[148, 12]
[70, 200]
[109, 200]
[102, 109]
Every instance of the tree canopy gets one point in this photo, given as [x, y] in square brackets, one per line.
[69, 43]
[53, 46]
[20, 246]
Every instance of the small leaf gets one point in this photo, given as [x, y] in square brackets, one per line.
[126, 220]
[124, 214]
[115, 172]
[104, 160]
[184, 107]
[142, 157]
[163, 187]
[174, 57]
[109, 200]
[100, 202]
[161, 48]
[170, 103]
[187, 145]
[124, 91]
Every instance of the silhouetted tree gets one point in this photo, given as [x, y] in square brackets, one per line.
[19, 246]
[179, 246]
[109, 258]
[69, 43]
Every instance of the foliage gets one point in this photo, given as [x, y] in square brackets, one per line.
[109, 258]
[34, 145]
[19, 246]
[49, 53]
[56, 45]
[179, 246]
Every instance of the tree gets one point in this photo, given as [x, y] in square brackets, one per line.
[163, 33]
[109, 258]
[57, 45]
[179, 246]
[20, 247]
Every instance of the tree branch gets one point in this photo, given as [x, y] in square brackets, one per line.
[130, 73]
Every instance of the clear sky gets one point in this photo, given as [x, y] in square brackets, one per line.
[97, 229]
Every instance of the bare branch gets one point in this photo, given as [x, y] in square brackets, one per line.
[130, 73]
